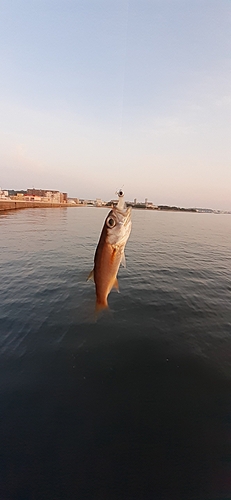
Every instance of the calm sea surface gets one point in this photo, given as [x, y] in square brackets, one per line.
[135, 405]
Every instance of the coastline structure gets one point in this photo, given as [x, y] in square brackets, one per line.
[14, 205]
[32, 198]
[39, 198]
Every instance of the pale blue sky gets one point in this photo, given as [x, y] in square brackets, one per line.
[97, 94]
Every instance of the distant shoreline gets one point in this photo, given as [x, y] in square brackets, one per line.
[6, 205]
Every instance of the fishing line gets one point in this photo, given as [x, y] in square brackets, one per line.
[123, 82]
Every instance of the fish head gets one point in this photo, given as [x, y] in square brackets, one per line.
[118, 225]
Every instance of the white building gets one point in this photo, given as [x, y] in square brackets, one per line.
[3, 194]
[98, 202]
[53, 197]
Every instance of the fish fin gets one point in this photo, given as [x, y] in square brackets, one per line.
[91, 276]
[116, 284]
[123, 260]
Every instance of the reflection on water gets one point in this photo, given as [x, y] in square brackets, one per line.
[137, 404]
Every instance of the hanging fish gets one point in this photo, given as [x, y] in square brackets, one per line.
[110, 251]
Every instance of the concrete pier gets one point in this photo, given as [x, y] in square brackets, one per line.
[15, 205]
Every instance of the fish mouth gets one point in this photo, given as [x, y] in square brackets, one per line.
[124, 216]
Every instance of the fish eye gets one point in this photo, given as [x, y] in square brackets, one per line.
[111, 222]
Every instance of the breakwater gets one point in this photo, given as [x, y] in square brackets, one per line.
[14, 205]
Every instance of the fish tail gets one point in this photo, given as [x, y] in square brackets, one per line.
[100, 306]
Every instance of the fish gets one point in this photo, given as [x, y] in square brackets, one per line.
[109, 253]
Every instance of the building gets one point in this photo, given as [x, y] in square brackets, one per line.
[3, 194]
[50, 196]
[98, 202]
[32, 198]
[32, 194]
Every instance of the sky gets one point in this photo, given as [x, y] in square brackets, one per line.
[96, 95]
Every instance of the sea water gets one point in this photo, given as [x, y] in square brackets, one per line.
[135, 404]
